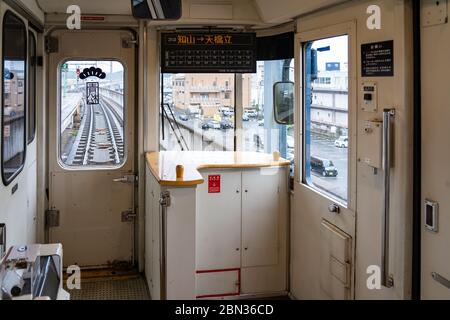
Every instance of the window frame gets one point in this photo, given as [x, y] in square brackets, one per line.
[32, 82]
[305, 174]
[78, 168]
[8, 181]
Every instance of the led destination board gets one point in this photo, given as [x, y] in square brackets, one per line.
[208, 52]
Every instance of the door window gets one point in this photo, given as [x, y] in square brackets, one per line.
[13, 100]
[326, 116]
[91, 113]
[32, 65]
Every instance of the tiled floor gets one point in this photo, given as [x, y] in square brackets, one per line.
[132, 288]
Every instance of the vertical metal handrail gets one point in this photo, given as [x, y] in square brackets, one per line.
[2, 239]
[164, 201]
[388, 114]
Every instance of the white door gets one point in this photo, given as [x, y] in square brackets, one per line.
[325, 192]
[435, 279]
[260, 218]
[91, 146]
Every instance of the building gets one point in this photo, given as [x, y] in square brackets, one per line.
[207, 93]
[329, 108]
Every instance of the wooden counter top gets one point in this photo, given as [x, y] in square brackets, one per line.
[163, 164]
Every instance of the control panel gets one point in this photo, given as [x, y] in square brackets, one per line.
[369, 97]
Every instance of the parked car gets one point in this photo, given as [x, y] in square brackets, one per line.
[204, 125]
[251, 113]
[225, 124]
[228, 113]
[261, 123]
[245, 117]
[183, 117]
[214, 124]
[323, 167]
[342, 142]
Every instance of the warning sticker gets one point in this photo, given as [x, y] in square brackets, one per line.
[377, 59]
[214, 184]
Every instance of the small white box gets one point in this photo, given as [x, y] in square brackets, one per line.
[372, 145]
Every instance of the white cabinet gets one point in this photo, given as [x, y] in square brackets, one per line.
[260, 207]
[241, 233]
[152, 256]
[218, 240]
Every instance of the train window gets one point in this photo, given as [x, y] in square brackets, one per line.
[92, 113]
[32, 65]
[260, 131]
[326, 116]
[197, 113]
[14, 90]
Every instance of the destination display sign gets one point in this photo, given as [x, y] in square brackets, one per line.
[208, 52]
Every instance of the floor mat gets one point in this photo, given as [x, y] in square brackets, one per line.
[133, 288]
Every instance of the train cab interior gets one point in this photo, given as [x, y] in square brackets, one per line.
[224, 150]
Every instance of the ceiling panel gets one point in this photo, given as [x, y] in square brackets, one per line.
[88, 6]
[282, 10]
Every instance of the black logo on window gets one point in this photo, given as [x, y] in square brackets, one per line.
[92, 72]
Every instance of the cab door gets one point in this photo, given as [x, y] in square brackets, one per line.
[323, 210]
[91, 146]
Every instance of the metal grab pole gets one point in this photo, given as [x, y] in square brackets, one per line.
[164, 201]
[388, 114]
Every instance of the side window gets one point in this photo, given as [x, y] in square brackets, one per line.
[261, 133]
[32, 65]
[14, 59]
[326, 116]
[91, 114]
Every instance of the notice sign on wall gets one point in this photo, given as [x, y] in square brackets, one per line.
[214, 183]
[377, 59]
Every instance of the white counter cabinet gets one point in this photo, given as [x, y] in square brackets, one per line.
[226, 228]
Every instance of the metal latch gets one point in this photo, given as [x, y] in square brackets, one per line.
[52, 218]
[128, 216]
[130, 178]
[2, 239]
[164, 201]
[440, 279]
[127, 43]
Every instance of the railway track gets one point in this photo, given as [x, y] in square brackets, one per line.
[100, 139]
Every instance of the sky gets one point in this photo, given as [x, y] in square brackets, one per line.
[338, 51]
[104, 65]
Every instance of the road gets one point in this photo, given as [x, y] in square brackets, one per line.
[323, 147]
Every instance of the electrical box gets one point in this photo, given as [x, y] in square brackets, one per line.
[369, 97]
[372, 147]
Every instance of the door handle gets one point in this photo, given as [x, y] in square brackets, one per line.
[334, 208]
[388, 114]
[127, 179]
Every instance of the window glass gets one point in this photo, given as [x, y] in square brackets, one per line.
[32, 62]
[326, 116]
[92, 113]
[260, 131]
[198, 112]
[14, 90]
